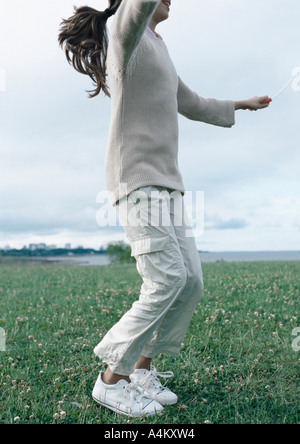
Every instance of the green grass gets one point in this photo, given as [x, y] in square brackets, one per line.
[237, 365]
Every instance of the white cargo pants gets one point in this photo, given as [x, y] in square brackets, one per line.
[167, 259]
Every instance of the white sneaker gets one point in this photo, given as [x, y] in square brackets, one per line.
[125, 398]
[152, 387]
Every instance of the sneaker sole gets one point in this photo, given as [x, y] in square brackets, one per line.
[166, 403]
[117, 410]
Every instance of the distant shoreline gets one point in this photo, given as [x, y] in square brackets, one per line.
[103, 259]
[249, 256]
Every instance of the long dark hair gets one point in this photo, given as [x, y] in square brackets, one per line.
[85, 40]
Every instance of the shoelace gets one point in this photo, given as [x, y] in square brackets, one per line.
[134, 392]
[165, 375]
[152, 378]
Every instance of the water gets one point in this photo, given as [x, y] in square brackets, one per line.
[227, 256]
[250, 256]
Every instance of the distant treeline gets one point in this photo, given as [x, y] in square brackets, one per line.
[51, 252]
[118, 252]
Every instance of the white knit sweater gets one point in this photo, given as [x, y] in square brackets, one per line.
[146, 96]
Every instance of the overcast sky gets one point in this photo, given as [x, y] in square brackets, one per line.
[53, 138]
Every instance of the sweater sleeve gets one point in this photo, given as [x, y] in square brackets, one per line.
[212, 111]
[130, 23]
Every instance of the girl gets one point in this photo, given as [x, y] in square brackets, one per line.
[143, 178]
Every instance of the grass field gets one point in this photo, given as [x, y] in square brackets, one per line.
[237, 365]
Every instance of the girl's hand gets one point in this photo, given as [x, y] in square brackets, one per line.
[254, 104]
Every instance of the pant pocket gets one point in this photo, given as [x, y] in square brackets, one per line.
[159, 261]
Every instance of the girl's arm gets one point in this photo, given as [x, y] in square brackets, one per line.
[212, 111]
[130, 23]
